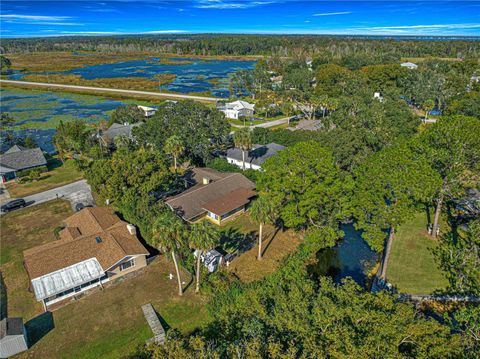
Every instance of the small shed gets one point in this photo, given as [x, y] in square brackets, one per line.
[13, 337]
[212, 259]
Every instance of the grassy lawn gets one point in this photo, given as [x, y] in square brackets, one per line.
[412, 268]
[246, 123]
[58, 175]
[276, 245]
[108, 323]
[20, 230]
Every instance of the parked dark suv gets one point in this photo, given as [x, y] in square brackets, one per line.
[13, 205]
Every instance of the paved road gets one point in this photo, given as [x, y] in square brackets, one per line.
[102, 89]
[267, 124]
[76, 192]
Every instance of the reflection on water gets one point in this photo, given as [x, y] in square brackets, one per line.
[38, 113]
[192, 75]
[352, 257]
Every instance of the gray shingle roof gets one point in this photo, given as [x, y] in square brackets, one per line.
[16, 148]
[118, 129]
[258, 155]
[307, 125]
[19, 158]
[11, 326]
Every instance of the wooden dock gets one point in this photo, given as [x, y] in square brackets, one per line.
[154, 323]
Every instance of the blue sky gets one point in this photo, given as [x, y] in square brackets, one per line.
[49, 18]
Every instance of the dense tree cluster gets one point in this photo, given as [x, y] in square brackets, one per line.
[371, 161]
[290, 314]
[201, 130]
[353, 52]
[127, 114]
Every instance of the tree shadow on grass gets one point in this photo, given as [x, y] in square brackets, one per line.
[164, 324]
[54, 163]
[277, 229]
[233, 240]
[38, 327]
[3, 299]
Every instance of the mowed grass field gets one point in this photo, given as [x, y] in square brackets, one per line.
[412, 267]
[20, 230]
[277, 244]
[107, 323]
[58, 175]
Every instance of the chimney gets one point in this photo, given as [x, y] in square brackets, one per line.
[206, 180]
[131, 229]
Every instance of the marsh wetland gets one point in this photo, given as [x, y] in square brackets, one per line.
[209, 76]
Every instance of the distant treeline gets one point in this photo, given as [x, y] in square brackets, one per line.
[376, 49]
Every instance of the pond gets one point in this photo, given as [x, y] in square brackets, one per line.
[351, 257]
[37, 113]
[192, 75]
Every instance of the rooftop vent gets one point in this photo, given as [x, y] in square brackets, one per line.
[98, 239]
[131, 229]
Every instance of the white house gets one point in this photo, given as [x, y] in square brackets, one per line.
[409, 65]
[147, 111]
[255, 157]
[238, 109]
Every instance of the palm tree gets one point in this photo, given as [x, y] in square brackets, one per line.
[262, 211]
[203, 237]
[243, 140]
[174, 146]
[168, 235]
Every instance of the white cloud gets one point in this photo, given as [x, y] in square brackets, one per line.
[37, 20]
[164, 32]
[34, 17]
[333, 13]
[222, 4]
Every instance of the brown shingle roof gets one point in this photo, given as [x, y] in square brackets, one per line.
[78, 242]
[230, 201]
[190, 204]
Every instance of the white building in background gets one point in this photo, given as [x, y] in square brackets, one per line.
[147, 111]
[238, 109]
[253, 158]
[409, 65]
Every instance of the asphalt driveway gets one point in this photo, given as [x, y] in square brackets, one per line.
[76, 192]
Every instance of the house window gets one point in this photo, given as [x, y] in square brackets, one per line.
[212, 215]
[127, 264]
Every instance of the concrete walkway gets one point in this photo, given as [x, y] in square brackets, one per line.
[154, 323]
[76, 192]
[105, 89]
